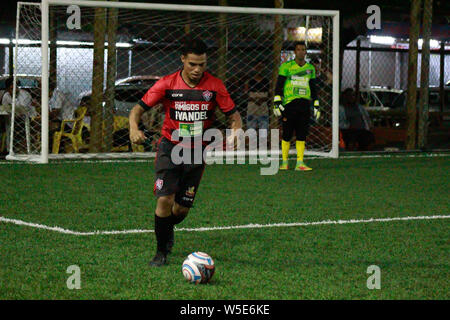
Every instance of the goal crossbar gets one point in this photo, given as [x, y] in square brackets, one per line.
[192, 8]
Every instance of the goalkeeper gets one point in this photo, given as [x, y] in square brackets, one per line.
[294, 93]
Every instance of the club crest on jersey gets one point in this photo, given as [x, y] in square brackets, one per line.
[190, 192]
[207, 95]
[159, 184]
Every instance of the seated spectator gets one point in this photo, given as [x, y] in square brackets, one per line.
[257, 89]
[23, 99]
[24, 109]
[60, 108]
[354, 123]
[324, 77]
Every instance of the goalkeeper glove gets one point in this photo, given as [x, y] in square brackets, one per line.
[277, 106]
[316, 110]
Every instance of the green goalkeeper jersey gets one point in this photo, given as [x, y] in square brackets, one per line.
[297, 80]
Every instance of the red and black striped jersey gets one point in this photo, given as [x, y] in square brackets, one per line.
[191, 110]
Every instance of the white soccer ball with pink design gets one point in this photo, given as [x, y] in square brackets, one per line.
[198, 267]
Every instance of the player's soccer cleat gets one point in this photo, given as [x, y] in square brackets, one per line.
[301, 166]
[159, 259]
[284, 165]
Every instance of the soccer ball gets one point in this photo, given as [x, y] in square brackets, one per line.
[198, 268]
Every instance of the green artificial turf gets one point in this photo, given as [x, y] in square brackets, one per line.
[326, 261]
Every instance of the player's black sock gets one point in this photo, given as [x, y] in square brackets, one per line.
[163, 230]
[176, 219]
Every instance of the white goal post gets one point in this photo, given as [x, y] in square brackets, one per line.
[144, 47]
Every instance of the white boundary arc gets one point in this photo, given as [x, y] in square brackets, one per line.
[148, 157]
[219, 228]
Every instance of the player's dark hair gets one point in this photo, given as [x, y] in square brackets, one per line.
[8, 82]
[299, 43]
[192, 45]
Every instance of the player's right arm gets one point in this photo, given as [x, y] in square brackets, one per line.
[136, 136]
[278, 107]
[279, 89]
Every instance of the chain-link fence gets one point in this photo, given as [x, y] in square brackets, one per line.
[381, 66]
[379, 74]
[240, 52]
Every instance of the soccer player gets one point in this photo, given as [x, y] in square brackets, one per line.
[189, 97]
[295, 89]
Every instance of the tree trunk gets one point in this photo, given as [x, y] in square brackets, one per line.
[412, 75]
[357, 69]
[110, 79]
[96, 108]
[187, 26]
[424, 74]
[277, 46]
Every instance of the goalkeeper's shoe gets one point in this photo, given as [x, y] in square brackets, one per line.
[159, 260]
[284, 165]
[301, 166]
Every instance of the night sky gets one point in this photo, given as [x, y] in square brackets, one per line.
[353, 13]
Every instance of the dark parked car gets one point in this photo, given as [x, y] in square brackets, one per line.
[128, 91]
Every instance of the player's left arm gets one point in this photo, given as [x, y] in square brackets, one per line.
[235, 121]
[228, 107]
[313, 87]
[235, 124]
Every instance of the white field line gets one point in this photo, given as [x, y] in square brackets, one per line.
[151, 159]
[247, 226]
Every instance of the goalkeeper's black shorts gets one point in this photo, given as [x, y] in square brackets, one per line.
[179, 179]
[296, 117]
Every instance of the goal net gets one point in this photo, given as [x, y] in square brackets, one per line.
[80, 66]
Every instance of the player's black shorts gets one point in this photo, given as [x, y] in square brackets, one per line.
[179, 179]
[296, 117]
